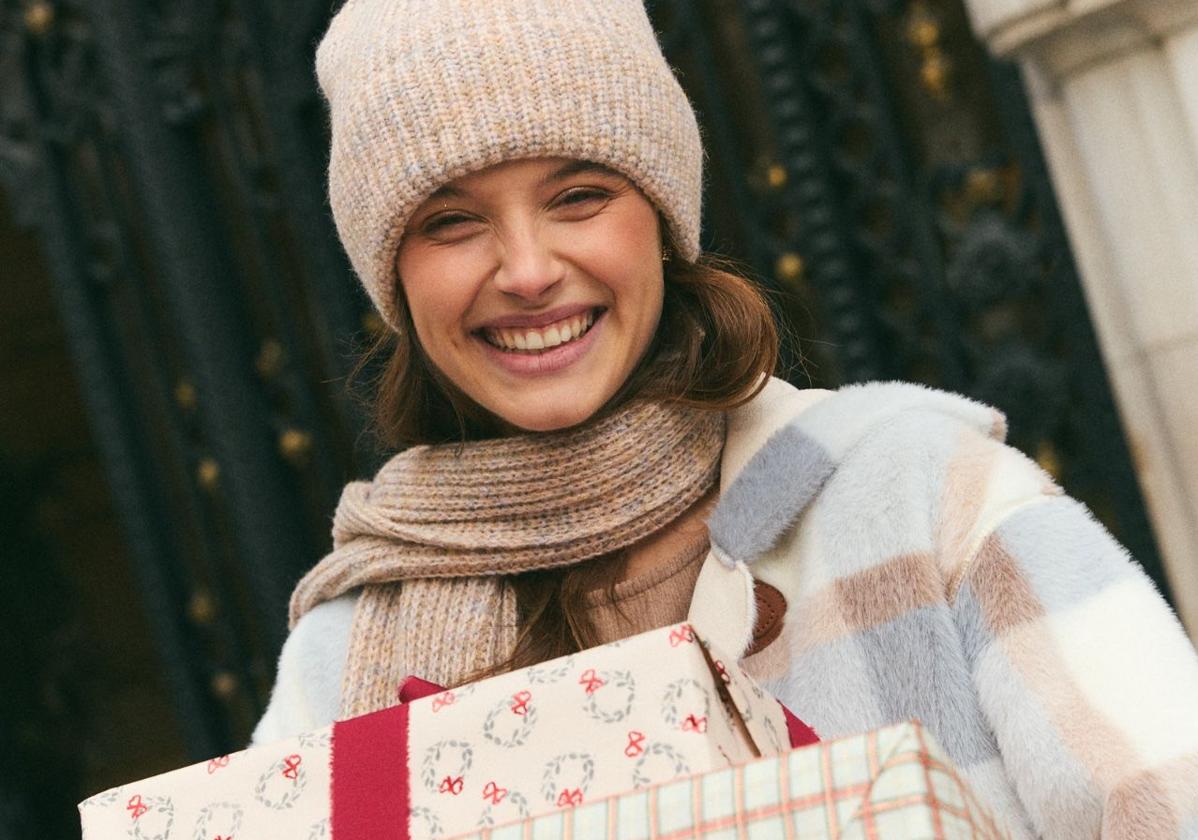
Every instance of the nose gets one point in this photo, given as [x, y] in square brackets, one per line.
[528, 268]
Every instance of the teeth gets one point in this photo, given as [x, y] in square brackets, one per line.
[542, 338]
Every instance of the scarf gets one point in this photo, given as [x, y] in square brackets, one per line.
[429, 540]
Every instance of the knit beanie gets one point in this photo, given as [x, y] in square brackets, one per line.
[424, 91]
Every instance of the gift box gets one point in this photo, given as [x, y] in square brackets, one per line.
[615, 718]
[890, 784]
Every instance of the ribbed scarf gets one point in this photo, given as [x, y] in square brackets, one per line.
[430, 539]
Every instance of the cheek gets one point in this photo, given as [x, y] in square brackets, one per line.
[435, 303]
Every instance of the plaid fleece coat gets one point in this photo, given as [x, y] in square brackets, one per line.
[929, 572]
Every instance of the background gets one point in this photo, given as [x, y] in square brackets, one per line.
[998, 198]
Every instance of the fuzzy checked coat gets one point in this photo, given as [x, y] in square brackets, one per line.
[931, 572]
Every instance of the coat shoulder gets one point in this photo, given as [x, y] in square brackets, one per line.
[307, 690]
[881, 438]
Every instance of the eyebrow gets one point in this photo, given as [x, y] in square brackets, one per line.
[445, 191]
[573, 167]
[576, 167]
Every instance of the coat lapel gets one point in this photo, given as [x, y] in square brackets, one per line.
[723, 608]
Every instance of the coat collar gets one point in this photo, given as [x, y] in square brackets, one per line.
[723, 608]
[780, 450]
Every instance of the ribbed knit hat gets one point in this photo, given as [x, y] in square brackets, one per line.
[424, 91]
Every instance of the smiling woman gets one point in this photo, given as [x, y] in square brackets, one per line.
[587, 443]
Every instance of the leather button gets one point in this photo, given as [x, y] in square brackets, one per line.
[771, 613]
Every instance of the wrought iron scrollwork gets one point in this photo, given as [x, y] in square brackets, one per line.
[181, 36]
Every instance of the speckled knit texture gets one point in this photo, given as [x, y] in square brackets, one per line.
[423, 92]
[429, 539]
[652, 599]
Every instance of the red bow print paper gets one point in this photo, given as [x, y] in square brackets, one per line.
[559, 735]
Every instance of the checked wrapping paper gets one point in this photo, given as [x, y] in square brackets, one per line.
[890, 784]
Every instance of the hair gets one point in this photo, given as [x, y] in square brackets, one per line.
[714, 349]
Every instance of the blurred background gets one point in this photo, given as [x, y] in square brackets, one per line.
[998, 197]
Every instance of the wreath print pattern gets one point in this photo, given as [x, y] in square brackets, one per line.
[422, 816]
[685, 703]
[153, 817]
[618, 693]
[281, 786]
[227, 817]
[658, 755]
[555, 672]
[567, 778]
[513, 807]
[516, 716]
[440, 766]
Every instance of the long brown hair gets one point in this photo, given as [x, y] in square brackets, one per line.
[714, 347]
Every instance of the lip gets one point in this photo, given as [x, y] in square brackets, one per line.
[550, 361]
[540, 319]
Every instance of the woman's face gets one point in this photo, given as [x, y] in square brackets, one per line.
[535, 286]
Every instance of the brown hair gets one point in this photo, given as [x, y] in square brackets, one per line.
[714, 347]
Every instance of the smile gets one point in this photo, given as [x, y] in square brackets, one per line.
[532, 341]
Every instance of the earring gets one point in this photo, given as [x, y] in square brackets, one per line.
[665, 255]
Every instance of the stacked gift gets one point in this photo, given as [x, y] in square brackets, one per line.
[891, 784]
[651, 737]
[621, 717]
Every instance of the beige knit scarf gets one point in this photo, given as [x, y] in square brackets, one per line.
[429, 540]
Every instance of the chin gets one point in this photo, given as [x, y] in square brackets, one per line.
[542, 420]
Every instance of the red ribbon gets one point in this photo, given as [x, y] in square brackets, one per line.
[520, 701]
[494, 792]
[368, 790]
[591, 681]
[136, 807]
[217, 763]
[569, 798]
[636, 744]
[694, 724]
[291, 765]
[681, 634]
[451, 785]
[446, 699]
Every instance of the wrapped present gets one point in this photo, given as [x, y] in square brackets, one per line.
[619, 717]
[890, 783]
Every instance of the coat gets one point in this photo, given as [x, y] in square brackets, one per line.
[926, 570]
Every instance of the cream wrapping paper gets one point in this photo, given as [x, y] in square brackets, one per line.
[615, 718]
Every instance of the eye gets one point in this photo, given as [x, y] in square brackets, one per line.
[446, 223]
[582, 199]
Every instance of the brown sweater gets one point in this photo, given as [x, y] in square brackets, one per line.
[656, 598]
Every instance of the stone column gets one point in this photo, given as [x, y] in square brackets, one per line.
[1114, 91]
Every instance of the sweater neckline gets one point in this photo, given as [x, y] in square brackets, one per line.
[690, 554]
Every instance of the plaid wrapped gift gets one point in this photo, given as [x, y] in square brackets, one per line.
[887, 784]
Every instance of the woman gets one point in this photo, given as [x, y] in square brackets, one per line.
[517, 184]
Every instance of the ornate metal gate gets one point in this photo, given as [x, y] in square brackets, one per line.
[868, 163]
